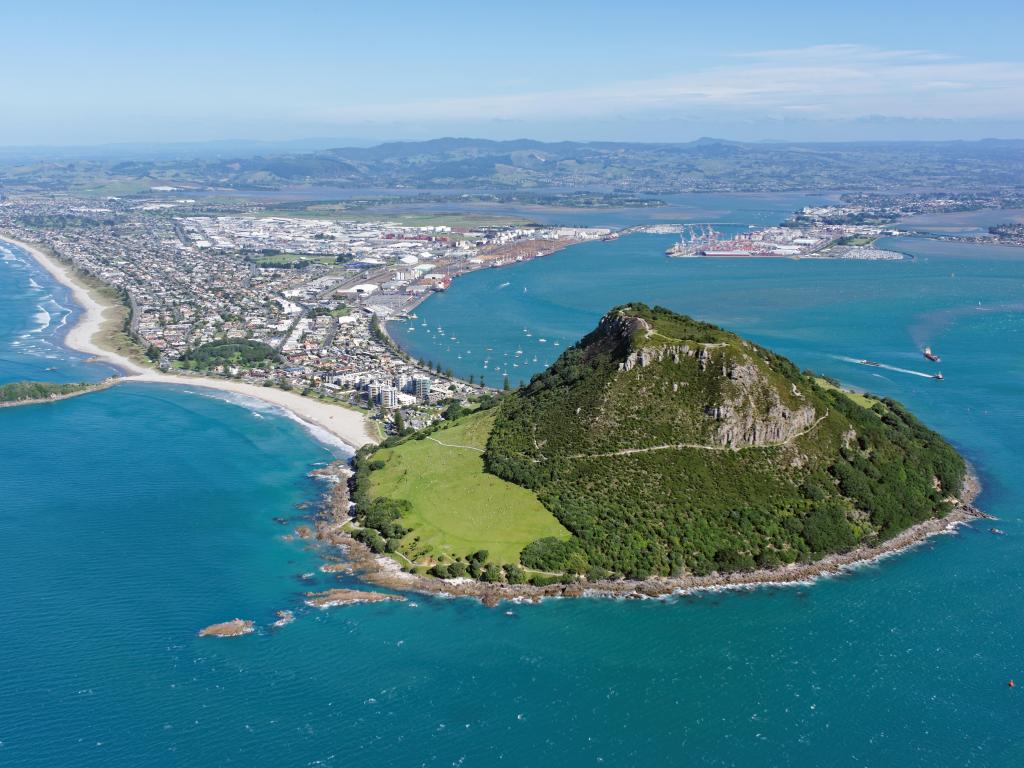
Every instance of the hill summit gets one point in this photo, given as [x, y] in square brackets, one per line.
[668, 446]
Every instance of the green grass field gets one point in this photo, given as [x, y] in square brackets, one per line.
[290, 258]
[857, 397]
[458, 508]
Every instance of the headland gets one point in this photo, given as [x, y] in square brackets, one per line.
[659, 454]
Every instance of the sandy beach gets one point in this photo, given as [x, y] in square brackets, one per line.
[349, 426]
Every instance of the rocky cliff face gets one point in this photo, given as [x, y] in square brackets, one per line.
[749, 411]
[754, 414]
[650, 355]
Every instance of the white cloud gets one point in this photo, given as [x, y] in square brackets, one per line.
[843, 82]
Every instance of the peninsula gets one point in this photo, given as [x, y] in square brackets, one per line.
[35, 392]
[658, 451]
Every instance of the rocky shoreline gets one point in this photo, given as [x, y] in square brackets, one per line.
[385, 572]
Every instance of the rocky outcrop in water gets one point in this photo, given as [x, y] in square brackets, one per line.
[233, 628]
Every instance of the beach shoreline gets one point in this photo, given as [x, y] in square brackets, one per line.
[348, 426]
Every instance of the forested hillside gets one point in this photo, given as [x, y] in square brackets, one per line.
[667, 446]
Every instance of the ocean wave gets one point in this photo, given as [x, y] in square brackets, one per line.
[43, 318]
[338, 446]
[260, 407]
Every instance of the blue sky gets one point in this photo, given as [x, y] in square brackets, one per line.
[99, 72]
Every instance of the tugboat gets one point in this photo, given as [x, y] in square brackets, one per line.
[931, 355]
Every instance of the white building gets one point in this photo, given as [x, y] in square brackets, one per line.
[421, 387]
[388, 397]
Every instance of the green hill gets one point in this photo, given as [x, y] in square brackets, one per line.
[668, 446]
[664, 446]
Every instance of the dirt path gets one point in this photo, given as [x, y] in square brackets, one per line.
[697, 446]
[449, 445]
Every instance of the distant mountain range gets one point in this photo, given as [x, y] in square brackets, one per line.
[704, 165]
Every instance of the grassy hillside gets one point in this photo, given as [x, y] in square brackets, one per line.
[454, 508]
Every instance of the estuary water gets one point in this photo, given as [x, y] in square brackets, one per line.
[132, 517]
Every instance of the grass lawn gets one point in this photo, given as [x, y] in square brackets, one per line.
[857, 397]
[282, 259]
[458, 508]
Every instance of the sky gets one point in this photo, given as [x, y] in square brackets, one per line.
[85, 73]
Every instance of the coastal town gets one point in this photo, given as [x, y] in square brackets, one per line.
[309, 298]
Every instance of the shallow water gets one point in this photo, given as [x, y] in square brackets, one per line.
[132, 517]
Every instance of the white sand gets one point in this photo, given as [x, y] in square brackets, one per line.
[349, 426]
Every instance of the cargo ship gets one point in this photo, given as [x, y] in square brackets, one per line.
[931, 355]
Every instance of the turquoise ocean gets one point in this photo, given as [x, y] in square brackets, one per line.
[132, 517]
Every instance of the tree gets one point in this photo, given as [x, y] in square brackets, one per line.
[506, 385]
[399, 423]
[515, 574]
[492, 573]
[471, 378]
[153, 353]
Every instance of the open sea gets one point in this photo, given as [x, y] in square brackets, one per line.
[132, 517]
